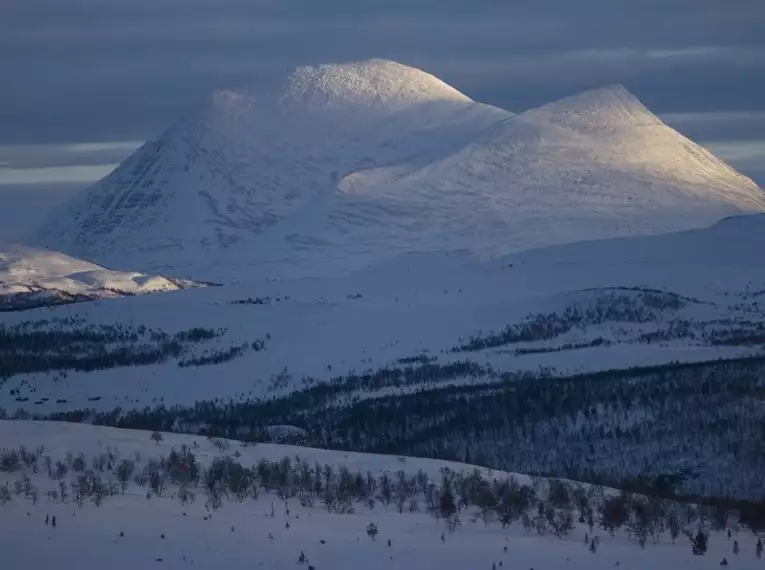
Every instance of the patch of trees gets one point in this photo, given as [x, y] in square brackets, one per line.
[564, 347]
[253, 301]
[739, 337]
[540, 505]
[25, 300]
[634, 306]
[216, 357]
[224, 355]
[259, 300]
[32, 347]
[419, 359]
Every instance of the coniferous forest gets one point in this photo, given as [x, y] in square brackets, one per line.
[698, 425]
[693, 429]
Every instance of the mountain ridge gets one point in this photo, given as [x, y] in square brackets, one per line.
[343, 165]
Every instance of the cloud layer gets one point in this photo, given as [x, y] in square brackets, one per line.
[113, 70]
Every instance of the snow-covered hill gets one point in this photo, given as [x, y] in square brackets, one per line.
[32, 277]
[341, 166]
[153, 521]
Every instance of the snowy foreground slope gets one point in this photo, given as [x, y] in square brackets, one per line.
[344, 165]
[32, 277]
[136, 528]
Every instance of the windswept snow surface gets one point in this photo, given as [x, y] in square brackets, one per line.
[344, 165]
[35, 277]
[131, 531]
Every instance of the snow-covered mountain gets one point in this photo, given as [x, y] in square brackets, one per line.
[32, 277]
[340, 166]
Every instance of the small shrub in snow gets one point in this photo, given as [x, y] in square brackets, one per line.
[614, 513]
[699, 543]
[10, 460]
[5, 494]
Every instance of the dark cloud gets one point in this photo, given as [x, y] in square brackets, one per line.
[114, 70]
[64, 155]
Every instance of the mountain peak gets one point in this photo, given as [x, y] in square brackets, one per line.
[368, 90]
[313, 99]
[370, 82]
[606, 108]
[612, 92]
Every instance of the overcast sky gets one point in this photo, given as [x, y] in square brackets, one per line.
[75, 71]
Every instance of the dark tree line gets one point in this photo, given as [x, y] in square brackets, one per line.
[615, 305]
[65, 345]
[623, 428]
